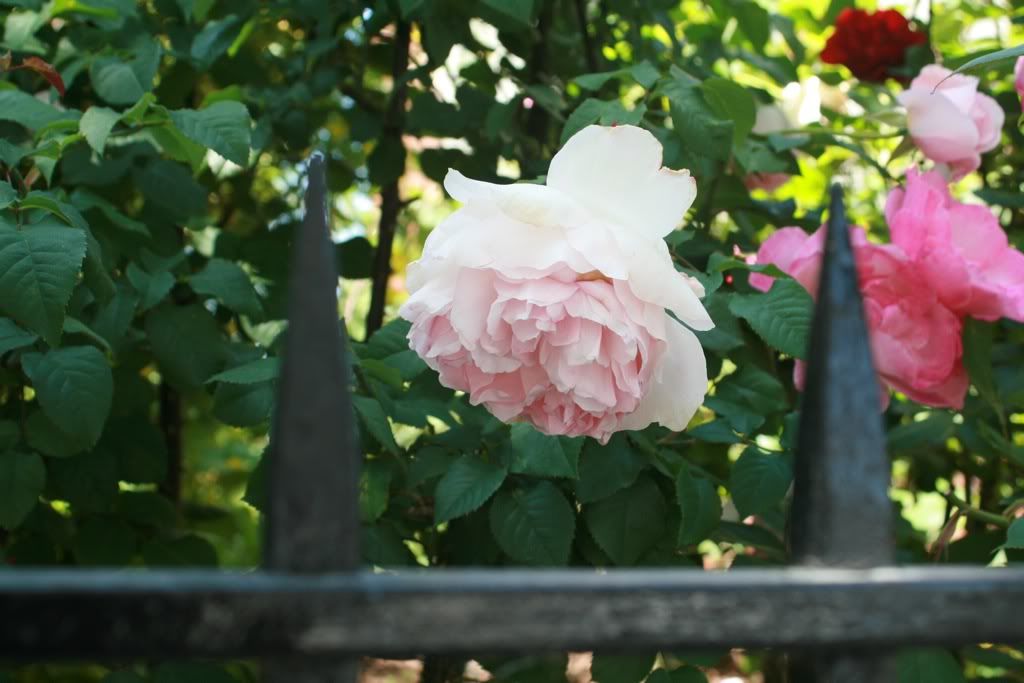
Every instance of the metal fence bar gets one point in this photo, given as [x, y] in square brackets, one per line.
[74, 613]
[841, 512]
[313, 483]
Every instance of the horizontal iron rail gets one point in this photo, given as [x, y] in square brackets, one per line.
[121, 614]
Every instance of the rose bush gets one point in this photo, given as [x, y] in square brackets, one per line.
[151, 179]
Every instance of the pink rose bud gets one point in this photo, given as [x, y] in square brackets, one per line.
[964, 255]
[954, 124]
[915, 340]
[550, 303]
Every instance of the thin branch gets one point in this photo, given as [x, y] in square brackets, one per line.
[390, 201]
[588, 44]
[975, 513]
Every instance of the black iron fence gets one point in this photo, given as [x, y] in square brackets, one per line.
[313, 609]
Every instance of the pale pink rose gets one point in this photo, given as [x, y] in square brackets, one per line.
[962, 252]
[955, 124]
[915, 340]
[1018, 77]
[550, 303]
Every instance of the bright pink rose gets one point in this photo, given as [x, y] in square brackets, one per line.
[915, 340]
[1018, 77]
[961, 250]
[954, 124]
[549, 303]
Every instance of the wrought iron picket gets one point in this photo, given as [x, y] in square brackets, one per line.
[313, 609]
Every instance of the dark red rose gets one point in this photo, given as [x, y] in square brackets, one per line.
[871, 43]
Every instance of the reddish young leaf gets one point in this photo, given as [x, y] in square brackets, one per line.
[44, 69]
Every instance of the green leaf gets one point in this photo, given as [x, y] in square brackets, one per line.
[620, 668]
[534, 525]
[716, 431]
[977, 340]
[466, 486]
[139, 449]
[261, 370]
[45, 437]
[1015, 534]
[759, 481]
[214, 39]
[169, 186]
[22, 478]
[382, 546]
[599, 111]
[88, 481]
[374, 485]
[152, 287]
[746, 397]
[224, 127]
[10, 433]
[75, 387]
[754, 22]
[355, 258]
[699, 505]
[782, 316]
[189, 550]
[544, 456]
[191, 672]
[387, 161]
[1005, 54]
[13, 337]
[1009, 199]
[243, 405]
[375, 420]
[114, 317]
[27, 111]
[122, 82]
[75, 326]
[606, 469]
[38, 269]
[726, 335]
[519, 11]
[185, 367]
[96, 124]
[230, 285]
[733, 102]
[147, 508]
[929, 665]
[630, 522]
[85, 200]
[8, 195]
[107, 542]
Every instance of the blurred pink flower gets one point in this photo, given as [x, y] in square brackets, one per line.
[549, 303]
[1018, 77]
[962, 252]
[915, 340]
[954, 124]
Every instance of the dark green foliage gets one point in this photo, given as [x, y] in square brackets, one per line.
[146, 221]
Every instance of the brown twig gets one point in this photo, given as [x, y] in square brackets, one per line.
[588, 44]
[390, 201]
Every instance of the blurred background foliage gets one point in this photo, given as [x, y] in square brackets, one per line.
[158, 197]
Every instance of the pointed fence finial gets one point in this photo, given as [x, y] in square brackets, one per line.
[841, 511]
